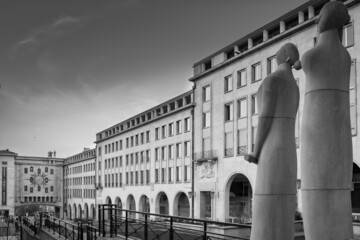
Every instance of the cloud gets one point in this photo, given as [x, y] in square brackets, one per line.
[63, 25]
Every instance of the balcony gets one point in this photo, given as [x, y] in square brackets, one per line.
[242, 150]
[229, 152]
[205, 156]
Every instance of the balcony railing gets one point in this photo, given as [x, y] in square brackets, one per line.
[229, 152]
[242, 150]
[205, 155]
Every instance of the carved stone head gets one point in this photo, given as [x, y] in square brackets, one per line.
[334, 15]
[289, 54]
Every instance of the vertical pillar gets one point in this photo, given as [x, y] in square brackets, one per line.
[265, 35]
[311, 12]
[301, 17]
[250, 43]
[282, 26]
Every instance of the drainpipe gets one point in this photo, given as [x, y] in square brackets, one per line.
[192, 157]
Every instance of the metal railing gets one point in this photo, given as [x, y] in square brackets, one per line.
[62, 228]
[141, 225]
[242, 150]
[229, 152]
[205, 155]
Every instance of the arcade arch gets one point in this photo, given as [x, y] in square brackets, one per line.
[75, 212]
[80, 212]
[86, 211]
[181, 205]
[131, 205]
[162, 204]
[118, 203]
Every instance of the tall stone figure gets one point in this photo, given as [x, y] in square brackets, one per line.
[275, 151]
[326, 146]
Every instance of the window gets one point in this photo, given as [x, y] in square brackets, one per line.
[156, 175]
[31, 190]
[206, 119]
[178, 127]
[178, 174]
[348, 35]
[25, 170]
[171, 151]
[206, 93]
[254, 105]
[157, 154]
[147, 136]
[229, 112]
[51, 171]
[253, 137]
[127, 142]
[136, 139]
[31, 169]
[163, 175]
[271, 64]
[163, 130]
[170, 172]
[352, 97]
[157, 133]
[147, 176]
[242, 108]
[171, 129]
[39, 189]
[187, 149]
[229, 145]
[256, 72]
[242, 142]
[46, 190]
[120, 143]
[163, 153]
[228, 83]
[25, 188]
[147, 155]
[187, 124]
[187, 173]
[131, 141]
[178, 150]
[241, 81]
[141, 138]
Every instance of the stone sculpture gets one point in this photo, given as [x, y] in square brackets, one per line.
[275, 151]
[326, 146]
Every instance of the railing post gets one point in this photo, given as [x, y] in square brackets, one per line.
[205, 229]
[126, 224]
[111, 220]
[171, 229]
[65, 231]
[99, 216]
[146, 227]
[40, 220]
[116, 223]
[73, 232]
[59, 227]
[103, 220]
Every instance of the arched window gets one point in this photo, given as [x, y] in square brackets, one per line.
[39, 188]
[39, 171]
[51, 171]
[25, 170]
[46, 169]
[31, 189]
[31, 169]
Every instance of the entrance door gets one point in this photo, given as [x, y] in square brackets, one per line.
[205, 205]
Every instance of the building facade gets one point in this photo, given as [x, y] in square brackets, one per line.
[79, 185]
[29, 181]
[144, 163]
[226, 114]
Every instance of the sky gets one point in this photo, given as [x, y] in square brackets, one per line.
[72, 68]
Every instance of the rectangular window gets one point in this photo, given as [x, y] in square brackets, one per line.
[132, 141]
[229, 112]
[141, 138]
[178, 150]
[206, 119]
[187, 149]
[147, 176]
[206, 93]
[178, 127]
[157, 154]
[171, 151]
[136, 139]
[187, 124]
[127, 142]
[170, 172]
[171, 129]
[163, 175]
[253, 137]
[147, 155]
[178, 174]
[147, 136]
[242, 142]
[136, 177]
[131, 178]
[141, 177]
[187, 174]
[241, 75]
[163, 128]
[120, 143]
[157, 175]
[352, 98]
[256, 72]
[242, 108]
[142, 156]
[228, 84]
[271, 64]
[229, 144]
[157, 133]
[163, 153]
[127, 178]
[348, 35]
[254, 105]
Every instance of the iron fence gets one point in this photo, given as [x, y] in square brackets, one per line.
[114, 221]
[205, 155]
[62, 228]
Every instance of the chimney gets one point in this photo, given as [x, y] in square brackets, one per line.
[54, 153]
[49, 154]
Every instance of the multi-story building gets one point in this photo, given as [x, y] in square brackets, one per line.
[31, 180]
[225, 113]
[144, 163]
[79, 185]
